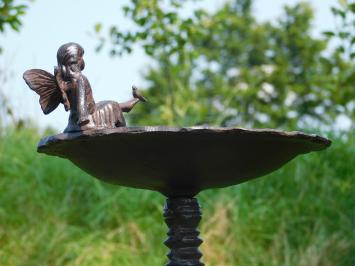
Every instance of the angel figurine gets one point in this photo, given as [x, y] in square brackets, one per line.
[71, 88]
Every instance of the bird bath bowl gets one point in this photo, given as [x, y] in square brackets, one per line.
[179, 163]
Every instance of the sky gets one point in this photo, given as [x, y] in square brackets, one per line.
[49, 24]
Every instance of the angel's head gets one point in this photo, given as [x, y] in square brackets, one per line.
[70, 58]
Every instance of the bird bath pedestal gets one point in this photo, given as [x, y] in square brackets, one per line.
[179, 163]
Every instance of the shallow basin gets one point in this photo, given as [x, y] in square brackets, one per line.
[180, 162]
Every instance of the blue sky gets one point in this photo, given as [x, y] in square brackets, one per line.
[49, 24]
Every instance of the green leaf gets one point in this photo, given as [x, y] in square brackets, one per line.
[98, 27]
[343, 34]
[338, 12]
[126, 10]
[341, 49]
[352, 7]
[328, 33]
[141, 21]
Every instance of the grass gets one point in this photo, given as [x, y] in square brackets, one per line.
[51, 213]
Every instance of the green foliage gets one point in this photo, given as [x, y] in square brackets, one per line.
[344, 32]
[344, 55]
[225, 68]
[51, 213]
[11, 12]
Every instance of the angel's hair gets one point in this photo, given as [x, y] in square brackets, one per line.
[68, 51]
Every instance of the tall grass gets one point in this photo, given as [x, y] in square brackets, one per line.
[51, 213]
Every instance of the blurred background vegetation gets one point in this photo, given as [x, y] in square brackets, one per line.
[220, 68]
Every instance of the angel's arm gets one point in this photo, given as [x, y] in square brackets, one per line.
[64, 87]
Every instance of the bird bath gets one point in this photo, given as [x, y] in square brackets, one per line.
[177, 162]
[180, 163]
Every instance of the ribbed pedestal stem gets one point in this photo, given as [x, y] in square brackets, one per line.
[182, 215]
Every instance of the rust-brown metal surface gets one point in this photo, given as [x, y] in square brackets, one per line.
[180, 162]
[71, 87]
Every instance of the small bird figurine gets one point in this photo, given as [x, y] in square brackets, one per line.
[137, 95]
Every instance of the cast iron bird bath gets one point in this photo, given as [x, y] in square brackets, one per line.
[177, 162]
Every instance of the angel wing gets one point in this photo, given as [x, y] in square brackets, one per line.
[45, 85]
